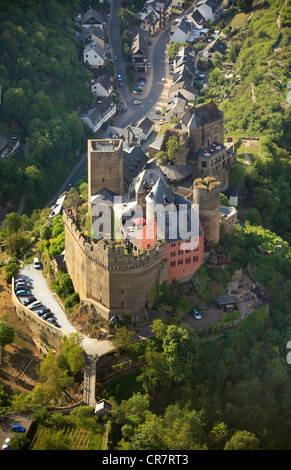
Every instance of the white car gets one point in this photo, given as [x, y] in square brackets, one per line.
[196, 314]
[119, 77]
[136, 102]
[35, 304]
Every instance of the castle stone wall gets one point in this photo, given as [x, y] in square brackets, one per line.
[105, 273]
[105, 165]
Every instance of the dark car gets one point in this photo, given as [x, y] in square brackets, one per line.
[43, 311]
[54, 322]
[48, 315]
[18, 428]
[29, 301]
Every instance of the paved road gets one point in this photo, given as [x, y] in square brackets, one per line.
[42, 292]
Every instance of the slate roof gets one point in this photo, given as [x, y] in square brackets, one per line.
[92, 14]
[145, 124]
[140, 44]
[177, 173]
[161, 193]
[217, 45]
[205, 113]
[148, 177]
[92, 30]
[133, 163]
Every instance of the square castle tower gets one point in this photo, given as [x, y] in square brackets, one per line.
[105, 166]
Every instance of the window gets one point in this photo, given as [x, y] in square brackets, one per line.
[204, 164]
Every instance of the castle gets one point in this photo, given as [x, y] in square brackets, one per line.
[158, 234]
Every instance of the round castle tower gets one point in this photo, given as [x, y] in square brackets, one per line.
[207, 194]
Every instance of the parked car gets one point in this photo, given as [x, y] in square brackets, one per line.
[119, 77]
[158, 111]
[35, 304]
[116, 60]
[48, 315]
[163, 80]
[161, 121]
[142, 79]
[23, 293]
[36, 263]
[196, 314]
[20, 280]
[29, 301]
[136, 102]
[22, 286]
[54, 322]
[141, 83]
[43, 311]
[149, 65]
[18, 428]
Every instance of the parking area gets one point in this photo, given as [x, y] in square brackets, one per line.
[208, 317]
[40, 290]
[10, 420]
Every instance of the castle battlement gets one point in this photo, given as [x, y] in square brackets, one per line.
[105, 272]
[113, 255]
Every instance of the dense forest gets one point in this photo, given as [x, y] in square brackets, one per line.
[43, 85]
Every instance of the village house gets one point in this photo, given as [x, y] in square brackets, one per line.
[146, 126]
[139, 51]
[92, 33]
[97, 116]
[94, 55]
[92, 17]
[101, 86]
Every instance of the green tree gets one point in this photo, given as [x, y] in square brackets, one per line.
[15, 104]
[71, 354]
[172, 146]
[181, 351]
[7, 333]
[122, 339]
[17, 244]
[161, 158]
[46, 231]
[33, 177]
[242, 440]
[13, 222]
[254, 216]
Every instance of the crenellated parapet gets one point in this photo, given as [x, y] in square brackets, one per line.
[108, 273]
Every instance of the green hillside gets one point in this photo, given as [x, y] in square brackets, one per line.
[42, 86]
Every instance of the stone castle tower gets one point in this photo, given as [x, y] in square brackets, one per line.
[105, 166]
[207, 194]
[106, 273]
